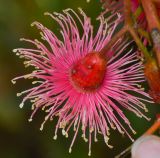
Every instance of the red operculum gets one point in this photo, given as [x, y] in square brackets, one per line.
[158, 9]
[152, 74]
[88, 73]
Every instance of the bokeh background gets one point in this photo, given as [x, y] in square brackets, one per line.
[18, 138]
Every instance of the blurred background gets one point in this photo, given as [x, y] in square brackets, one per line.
[18, 137]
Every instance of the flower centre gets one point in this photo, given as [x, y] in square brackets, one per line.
[88, 73]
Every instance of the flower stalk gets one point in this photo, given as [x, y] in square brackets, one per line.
[153, 25]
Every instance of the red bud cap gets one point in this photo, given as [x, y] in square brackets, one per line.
[152, 74]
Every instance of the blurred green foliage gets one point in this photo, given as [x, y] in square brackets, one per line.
[18, 138]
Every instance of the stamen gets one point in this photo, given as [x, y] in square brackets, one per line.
[90, 141]
[70, 150]
[63, 132]
[84, 137]
[106, 139]
[21, 105]
[30, 120]
[19, 94]
[15, 50]
[55, 137]
[13, 81]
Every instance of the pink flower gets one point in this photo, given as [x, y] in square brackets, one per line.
[75, 83]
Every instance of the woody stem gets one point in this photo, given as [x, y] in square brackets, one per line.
[153, 128]
[153, 24]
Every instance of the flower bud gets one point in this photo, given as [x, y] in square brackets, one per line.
[152, 74]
